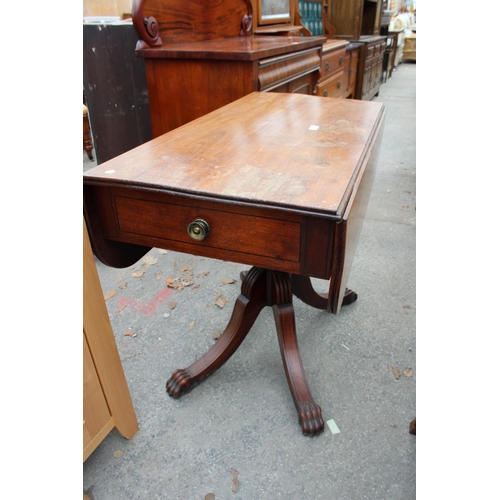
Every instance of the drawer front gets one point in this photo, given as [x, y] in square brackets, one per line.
[332, 62]
[303, 85]
[375, 50]
[333, 87]
[125, 223]
[276, 71]
[228, 231]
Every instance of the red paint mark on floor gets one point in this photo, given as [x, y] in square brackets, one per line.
[146, 307]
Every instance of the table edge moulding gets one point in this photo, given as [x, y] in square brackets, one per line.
[276, 181]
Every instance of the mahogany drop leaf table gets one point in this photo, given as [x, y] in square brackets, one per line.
[279, 182]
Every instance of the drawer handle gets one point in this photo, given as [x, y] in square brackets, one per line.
[339, 85]
[341, 60]
[325, 93]
[198, 229]
[327, 66]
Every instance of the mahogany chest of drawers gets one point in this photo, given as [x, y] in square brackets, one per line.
[332, 69]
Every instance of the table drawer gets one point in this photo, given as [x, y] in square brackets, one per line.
[229, 230]
[333, 87]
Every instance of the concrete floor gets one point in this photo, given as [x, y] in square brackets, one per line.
[236, 436]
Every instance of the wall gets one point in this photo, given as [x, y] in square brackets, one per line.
[106, 7]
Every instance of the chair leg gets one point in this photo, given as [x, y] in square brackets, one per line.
[87, 138]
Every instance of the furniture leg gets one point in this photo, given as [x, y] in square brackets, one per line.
[413, 427]
[260, 288]
[247, 307]
[303, 290]
[87, 138]
[310, 418]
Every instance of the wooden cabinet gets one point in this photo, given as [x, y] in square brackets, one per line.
[350, 70]
[353, 19]
[106, 399]
[398, 47]
[200, 56]
[359, 21]
[410, 47]
[370, 67]
[115, 87]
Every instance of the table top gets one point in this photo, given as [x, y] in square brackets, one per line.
[292, 151]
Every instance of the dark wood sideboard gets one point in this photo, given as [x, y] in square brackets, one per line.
[370, 69]
[277, 181]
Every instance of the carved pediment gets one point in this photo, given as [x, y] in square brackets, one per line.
[160, 22]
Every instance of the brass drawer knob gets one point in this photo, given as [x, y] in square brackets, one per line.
[198, 229]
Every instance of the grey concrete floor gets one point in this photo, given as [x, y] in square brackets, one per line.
[241, 424]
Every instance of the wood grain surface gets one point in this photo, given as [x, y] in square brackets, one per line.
[281, 150]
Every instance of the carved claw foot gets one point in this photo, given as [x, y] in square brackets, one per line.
[310, 419]
[350, 296]
[179, 383]
[413, 426]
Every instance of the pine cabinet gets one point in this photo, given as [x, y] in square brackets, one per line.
[106, 398]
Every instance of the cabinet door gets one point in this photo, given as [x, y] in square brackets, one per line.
[353, 68]
[97, 420]
[367, 80]
[347, 73]
[303, 85]
[346, 17]
[378, 69]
